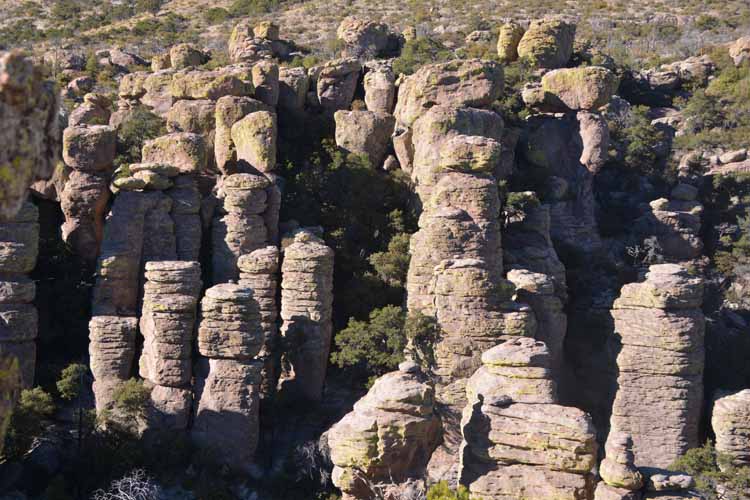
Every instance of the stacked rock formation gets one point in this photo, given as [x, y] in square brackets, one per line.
[336, 83]
[243, 222]
[230, 110]
[453, 152]
[388, 436]
[731, 425]
[306, 308]
[111, 353]
[19, 247]
[90, 152]
[167, 324]
[28, 141]
[93, 111]
[380, 87]
[621, 480]
[548, 43]
[660, 382]
[259, 271]
[228, 376]
[518, 442]
[365, 133]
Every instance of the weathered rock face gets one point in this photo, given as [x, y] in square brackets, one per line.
[241, 225]
[548, 43]
[660, 381]
[618, 469]
[196, 117]
[730, 423]
[266, 82]
[183, 150]
[167, 324]
[364, 133]
[470, 83]
[28, 141]
[193, 84]
[380, 88]
[527, 245]
[388, 436]
[228, 377]
[111, 351]
[93, 111]
[254, 138]
[517, 441]
[538, 291]
[84, 202]
[259, 271]
[19, 247]
[245, 46]
[293, 86]
[337, 82]
[507, 41]
[557, 144]
[306, 307]
[363, 38]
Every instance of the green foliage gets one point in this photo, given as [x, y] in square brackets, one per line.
[150, 6]
[441, 491]
[92, 65]
[216, 15]
[139, 126]
[421, 332]
[734, 259]
[703, 111]
[418, 52]
[27, 422]
[71, 379]
[130, 398]
[640, 140]
[519, 202]
[252, 7]
[711, 469]
[374, 347]
[392, 265]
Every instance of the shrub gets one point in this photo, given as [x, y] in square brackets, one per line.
[375, 346]
[27, 422]
[712, 471]
[71, 381]
[151, 6]
[441, 491]
[421, 332]
[139, 126]
[640, 140]
[216, 15]
[418, 52]
[130, 398]
[392, 265]
[252, 7]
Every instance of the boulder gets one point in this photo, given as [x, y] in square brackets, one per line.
[266, 82]
[618, 467]
[245, 46]
[471, 83]
[583, 88]
[254, 138]
[362, 38]
[230, 110]
[293, 86]
[84, 203]
[184, 55]
[364, 133]
[208, 85]
[230, 324]
[548, 43]
[184, 150]
[89, 149]
[195, 117]
[739, 51]
[380, 89]
[161, 61]
[267, 29]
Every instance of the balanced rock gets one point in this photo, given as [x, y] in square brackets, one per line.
[387, 437]
[618, 467]
[471, 83]
[254, 138]
[362, 38]
[660, 382]
[548, 43]
[380, 88]
[245, 46]
[575, 89]
[230, 110]
[89, 149]
[184, 150]
[184, 55]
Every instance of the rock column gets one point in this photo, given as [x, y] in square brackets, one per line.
[228, 376]
[306, 307]
[111, 352]
[259, 271]
[731, 424]
[517, 441]
[19, 247]
[167, 324]
[660, 382]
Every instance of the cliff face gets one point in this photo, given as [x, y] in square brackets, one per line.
[567, 357]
